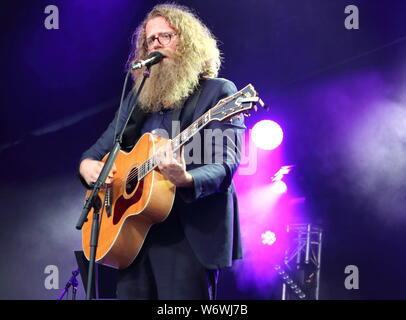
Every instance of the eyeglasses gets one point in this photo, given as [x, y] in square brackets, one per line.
[164, 39]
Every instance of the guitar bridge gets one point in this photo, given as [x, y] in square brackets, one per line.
[107, 199]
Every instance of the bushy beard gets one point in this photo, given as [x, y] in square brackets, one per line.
[170, 82]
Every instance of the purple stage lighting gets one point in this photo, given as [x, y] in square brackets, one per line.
[267, 134]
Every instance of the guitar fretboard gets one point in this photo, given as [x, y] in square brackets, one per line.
[216, 113]
[151, 163]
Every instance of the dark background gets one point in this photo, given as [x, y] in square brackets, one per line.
[339, 95]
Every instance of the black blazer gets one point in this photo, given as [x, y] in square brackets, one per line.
[208, 211]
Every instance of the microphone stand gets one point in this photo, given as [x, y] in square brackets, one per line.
[92, 201]
[72, 282]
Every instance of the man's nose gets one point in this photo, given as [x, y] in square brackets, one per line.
[156, 44]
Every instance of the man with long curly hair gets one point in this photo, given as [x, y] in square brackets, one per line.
[181, 256]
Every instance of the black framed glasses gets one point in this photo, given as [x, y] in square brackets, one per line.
[164, 38]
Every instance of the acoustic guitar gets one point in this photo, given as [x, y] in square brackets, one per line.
[140, 195]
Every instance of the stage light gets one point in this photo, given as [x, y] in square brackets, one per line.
[268, 238]
[284, 170]
[267, 134]
[289, 282]
[279, 187]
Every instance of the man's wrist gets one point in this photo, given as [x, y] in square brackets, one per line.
[188, 181]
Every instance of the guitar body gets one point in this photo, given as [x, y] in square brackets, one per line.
[135, 206]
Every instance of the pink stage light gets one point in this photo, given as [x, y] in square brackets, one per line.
[279, 187]
[267, 134]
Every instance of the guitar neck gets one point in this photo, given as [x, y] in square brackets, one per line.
[177, 142]
[199, 124]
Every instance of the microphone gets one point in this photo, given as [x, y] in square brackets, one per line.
[153, 58]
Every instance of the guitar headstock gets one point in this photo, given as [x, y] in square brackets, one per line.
[240, 102]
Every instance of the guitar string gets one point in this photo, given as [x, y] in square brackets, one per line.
[134, 173]
[178, 139]
[185, 135]
[144, 166]
[147, 166]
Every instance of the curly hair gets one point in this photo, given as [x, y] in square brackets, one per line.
[197, 44]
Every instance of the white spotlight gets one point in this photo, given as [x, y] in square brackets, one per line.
[268, 237]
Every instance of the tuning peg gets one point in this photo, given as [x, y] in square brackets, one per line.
[246, 114]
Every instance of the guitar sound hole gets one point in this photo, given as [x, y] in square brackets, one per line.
[131, 185]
